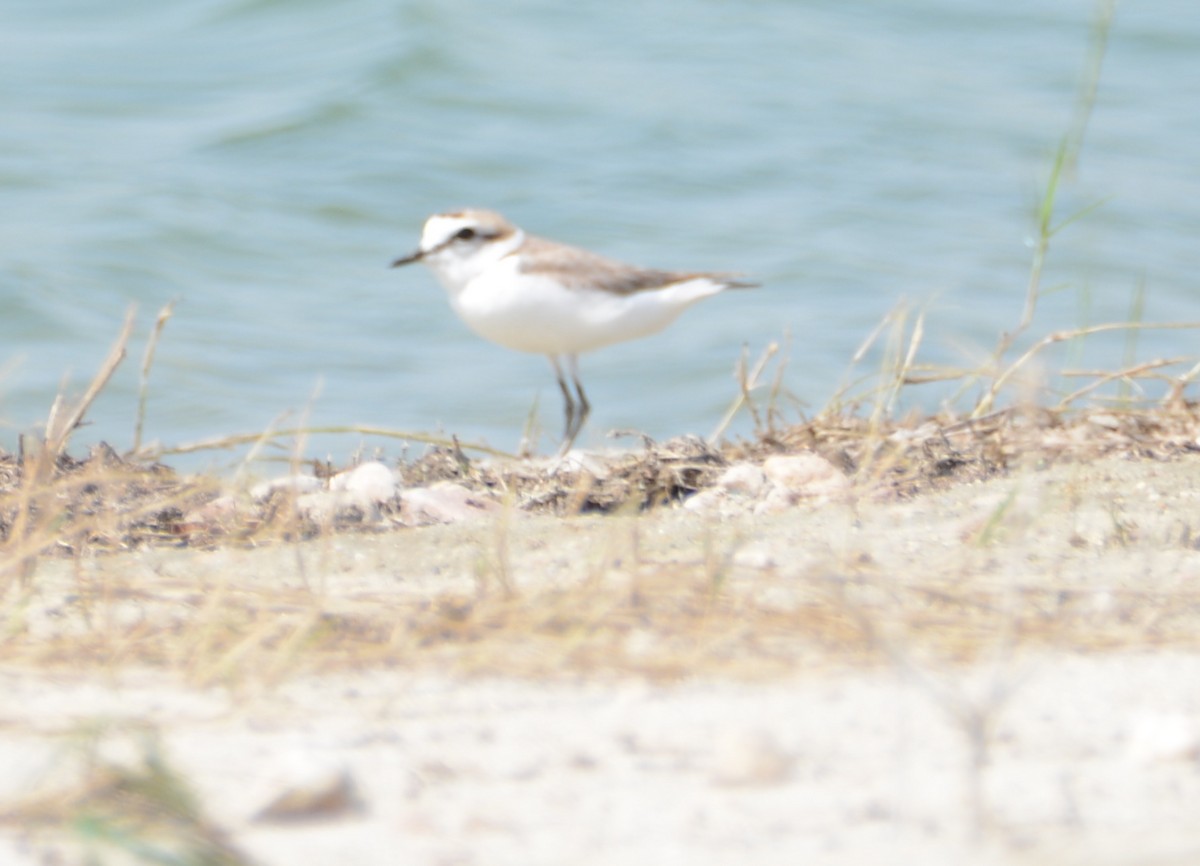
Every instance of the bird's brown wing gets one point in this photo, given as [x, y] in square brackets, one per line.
[580, 268]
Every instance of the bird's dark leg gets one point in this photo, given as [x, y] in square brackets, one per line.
[585, 408]
[580, 406]
[568, 402]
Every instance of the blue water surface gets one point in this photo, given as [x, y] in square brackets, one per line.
[262, 161]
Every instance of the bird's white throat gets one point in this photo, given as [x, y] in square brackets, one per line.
[457, 263]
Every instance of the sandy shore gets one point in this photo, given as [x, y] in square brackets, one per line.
[1002, 672]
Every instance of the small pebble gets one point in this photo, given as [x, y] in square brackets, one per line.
[750, 757]
[317, 794]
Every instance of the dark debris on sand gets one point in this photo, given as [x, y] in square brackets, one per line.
[99, 501]
[107, 502]
[632, 481]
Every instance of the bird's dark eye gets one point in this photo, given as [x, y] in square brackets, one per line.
[465, 234]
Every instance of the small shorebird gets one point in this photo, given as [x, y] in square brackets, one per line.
[535, 295]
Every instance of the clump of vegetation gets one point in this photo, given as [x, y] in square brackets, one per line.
[137, 810]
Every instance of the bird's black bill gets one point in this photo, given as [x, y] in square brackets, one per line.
[409, 259]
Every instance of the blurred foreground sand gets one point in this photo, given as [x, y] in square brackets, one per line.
[1003, 672]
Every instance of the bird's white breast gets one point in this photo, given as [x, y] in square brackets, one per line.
[533, 312]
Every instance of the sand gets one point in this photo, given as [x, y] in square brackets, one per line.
[1002, 672]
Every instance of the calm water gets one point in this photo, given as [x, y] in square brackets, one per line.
[263, 160]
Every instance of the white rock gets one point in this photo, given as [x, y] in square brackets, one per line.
[216, 513]
[805, 476]
[742, 478]
[444, 502]
[777, 499]
[710, 501]
[372, 480]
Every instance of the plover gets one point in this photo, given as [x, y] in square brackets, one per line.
[535, 295]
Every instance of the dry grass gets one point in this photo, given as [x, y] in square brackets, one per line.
[105, 502]
[629, 608]
[626, 610]
[55, 506]
[661, 616]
